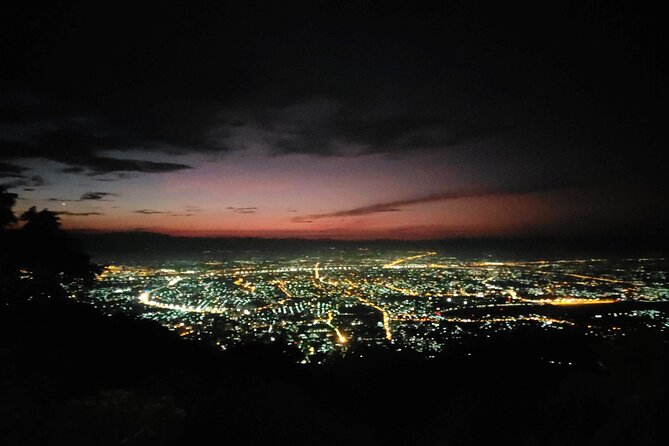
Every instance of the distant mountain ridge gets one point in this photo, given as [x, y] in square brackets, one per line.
[112, 245]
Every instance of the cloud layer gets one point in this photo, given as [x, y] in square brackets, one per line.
[305, 106]
[399, 205]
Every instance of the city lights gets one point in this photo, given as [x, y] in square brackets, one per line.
[334, 304]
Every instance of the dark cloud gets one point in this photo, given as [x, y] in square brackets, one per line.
[80, 147]
[79, 214]
[305, 127]
[329, 127]
[30, 182]
[18, 177]
[326, 126]
[397, 205]
[97, 196]
[354, 79]
[102, 165]
[11, 170]
[243, 210]
[73, 169]
[149, 212]
[11, 184]
[165, 213]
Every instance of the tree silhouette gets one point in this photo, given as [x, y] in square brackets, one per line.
[9, 269]
[7, 202]
[40, 223]
[39, 259]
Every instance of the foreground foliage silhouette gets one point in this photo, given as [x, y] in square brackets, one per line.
[39, 258]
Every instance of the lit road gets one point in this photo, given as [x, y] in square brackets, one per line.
[145, 298]
[397, 262]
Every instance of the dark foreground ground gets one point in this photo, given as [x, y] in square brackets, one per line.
[69, 375]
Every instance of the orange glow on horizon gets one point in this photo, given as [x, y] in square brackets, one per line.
[507, 215]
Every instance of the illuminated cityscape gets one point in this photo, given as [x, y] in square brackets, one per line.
[345, 301]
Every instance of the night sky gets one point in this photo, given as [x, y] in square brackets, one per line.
[338, 120]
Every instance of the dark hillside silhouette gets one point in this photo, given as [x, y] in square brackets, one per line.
[70, 375]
